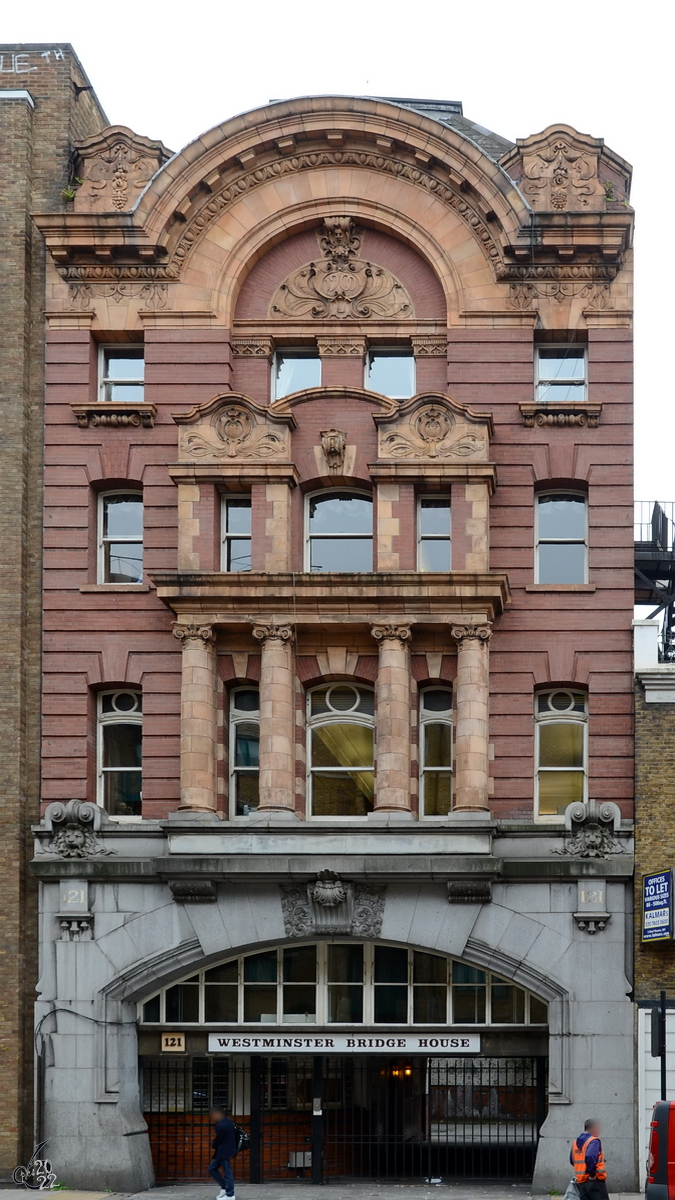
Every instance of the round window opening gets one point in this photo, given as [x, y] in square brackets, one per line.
[122, 702]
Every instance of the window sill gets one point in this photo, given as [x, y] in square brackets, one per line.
[561, 412]
[116, 587]
[560, 587]
[115, 414]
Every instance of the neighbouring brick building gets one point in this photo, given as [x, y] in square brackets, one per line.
[44, 107]
[337, 755]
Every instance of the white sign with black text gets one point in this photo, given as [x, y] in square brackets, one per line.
[345, 1043]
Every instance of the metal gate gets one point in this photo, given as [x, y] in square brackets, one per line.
[320, 1117]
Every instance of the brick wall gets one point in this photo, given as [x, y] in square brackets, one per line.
[655, 828]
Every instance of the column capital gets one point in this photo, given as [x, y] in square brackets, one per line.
[272, 632]
[198, 633]
[462, 633]
[397, 632]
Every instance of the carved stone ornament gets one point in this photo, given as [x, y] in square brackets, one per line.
[72, 826]
[591, 830]
[76, 929]
[333, 445]
[469, 891]
[107, 415]
[429, 346]
[560, 170]
[341, 287]
[114, 166]
[118, 288]
[463, 633]
[193, 891]
[434, 429]
[568, 413]
[264, 633]
[341, 347]
[331, 905]
[232, 428]
[253, 348]
[198, 633]
[385, 633]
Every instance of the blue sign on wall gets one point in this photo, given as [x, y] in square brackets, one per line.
[657, 907]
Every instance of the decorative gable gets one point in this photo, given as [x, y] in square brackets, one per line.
[232, 428]
[114, 166]
[432, 427]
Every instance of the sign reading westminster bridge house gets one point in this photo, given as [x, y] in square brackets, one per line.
[339, 1043]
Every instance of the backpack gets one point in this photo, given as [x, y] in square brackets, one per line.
[243, 1140]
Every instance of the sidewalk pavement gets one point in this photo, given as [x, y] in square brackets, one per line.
[334, 1190]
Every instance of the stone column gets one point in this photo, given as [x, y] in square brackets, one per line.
[198, 730]
[392, 790]
[277, 713]
[471, 735]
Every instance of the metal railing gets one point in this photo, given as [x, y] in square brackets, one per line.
[654, 523]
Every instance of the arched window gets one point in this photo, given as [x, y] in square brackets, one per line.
[561, 720]
[340, 532]
[120, 737]
[120, 537]
[340, 750]
[435, 751]
[345, 983]
[561, 537]
[244, 746]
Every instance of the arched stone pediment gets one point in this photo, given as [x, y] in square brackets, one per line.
[233, 427]
[431, 427]
[286, 404]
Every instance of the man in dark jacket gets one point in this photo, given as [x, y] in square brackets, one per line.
[588, 1160]
[224, 1147]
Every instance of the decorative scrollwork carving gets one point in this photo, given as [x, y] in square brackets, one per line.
[73, 826]
[105, 414]
[115, 165]
[199, 633]
[398, 633]
[368, 910]
[342, 287]
[333, 445]
[591, 830]
[235, 432]
[548, 414]
[329, 890]
[151, 294]
[330, 905]
[297, 911]
[433, 432]
[463, 633]
[281, 633]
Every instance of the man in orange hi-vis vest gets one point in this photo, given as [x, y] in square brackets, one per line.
[588, 1161]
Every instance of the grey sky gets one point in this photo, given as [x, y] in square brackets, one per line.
[172, 70]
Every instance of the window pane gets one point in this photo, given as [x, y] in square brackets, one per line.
[246, 701]
[561, 745]
[342, 794]
[561, 701]
[342, 745]
[429, 968]
[122, 745]
[538, 1011]
[468, 1005]
[122, 793]
[562, 563]
[225, 973]
[391, 374]
[562, 517]
[555, 392]
[123, 562]
[122, 516]
[557, 789]
[437, 745]
[124, 364]
[295, 372]
[127, 393]
[434, 555]
[247, 792]
[435, 515]
[391, 1005]
[182, 1002]
[238, 554]
[437, 700]
[299, 1002]
[566, 362]
[437, 793]
[345, 964]
[261, 968]
[430, 1005]
[461, 973]
[246, 744]
[300, 965]
[151, 1009]
[260, 1004]
[345, 1003]
[341, 513]
[238, 516]
[341, 554]
[220, 1003]
[391, 965]
[508, 1003]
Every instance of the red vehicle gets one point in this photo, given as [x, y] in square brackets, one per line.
[661, 1160]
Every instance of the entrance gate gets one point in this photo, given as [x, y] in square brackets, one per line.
[325, 1117]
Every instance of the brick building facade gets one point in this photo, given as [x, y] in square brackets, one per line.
[44, 108]
[337, 668]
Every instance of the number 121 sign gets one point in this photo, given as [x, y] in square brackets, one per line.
[657, 907]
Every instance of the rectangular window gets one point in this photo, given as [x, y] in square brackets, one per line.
[120, 753]
[221, 993]
[561, 373]
[339, 532]
[244, 750]
[391, 372]
[436, 751]
[469, 987]
[299, 985]
[345, 984]
[561, 538]
[120, 522]
[430, 989]
[122, 374]
[561, 736]
[434, 533]
[260, 987]
[236, 526]
[294, 370]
